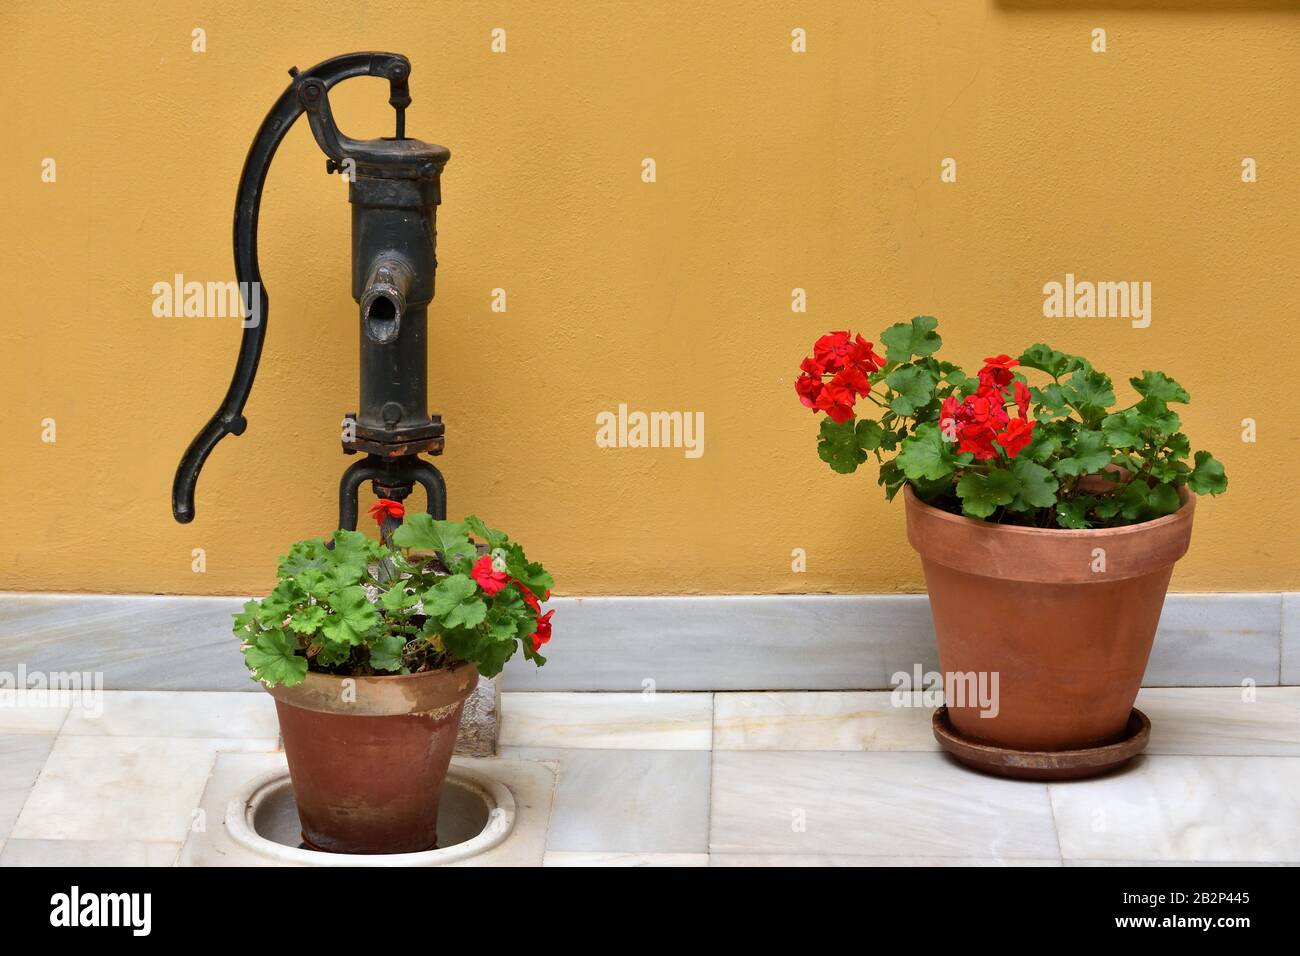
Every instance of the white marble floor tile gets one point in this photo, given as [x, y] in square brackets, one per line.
[122, 788]
[875, 804]
[88, 853]
[659, 721]
[829, 720]
[144, 713]
[627, 801]
[36, 711]
[562, 858]
[1214, 809]
[841, 859]
[1170, 863]
[1223, 721]
[21, 758]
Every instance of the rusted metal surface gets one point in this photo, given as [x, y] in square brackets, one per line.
[425, 446]
[368, 756]
[1044, 764]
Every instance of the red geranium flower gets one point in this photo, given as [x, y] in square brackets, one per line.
[529, 597]
[543, 632]
[850, 359]
[837, 350]
[809, 384]
[386, 508]
[997, 371]
[974, 421]
[1016, 436]
[1022, 399]
[863, 358]
[837, 396]
[489, 580]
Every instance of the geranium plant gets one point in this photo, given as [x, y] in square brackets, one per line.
[425, 596]
[1052, 452]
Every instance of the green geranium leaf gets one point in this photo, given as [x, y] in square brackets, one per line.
[1123, 429]
[1047, 359]
[454, 601]
[1043, 447]
[308, 620]
[924, 455]
[838, 446]
[1155, 416]
[386, 653]
[981, 494]
[1108, 507]
[303, 555]
[1133, 500]
[398, 599]
[276, 606]
[1074, 512]
[891, 478]
[1037, 486]
[351, 547]
[1089, 389]
[273, 659]
[1090, 454]
[246, 618]
[1162, 500]
[915, 338]
[314, 582]
[354, 616]
[336, 577]
[448, 538]
[1159, 386]
[530, 573]
[1208, 477]
[490, 654]
[493, 537]
[1051, 402]
[869, 434]
[913, 387]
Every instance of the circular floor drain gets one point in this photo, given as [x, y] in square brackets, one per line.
[476, 814]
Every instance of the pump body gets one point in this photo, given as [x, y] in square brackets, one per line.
[394, 189]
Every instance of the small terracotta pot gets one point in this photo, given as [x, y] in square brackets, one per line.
[368, 756]
[1067, 639]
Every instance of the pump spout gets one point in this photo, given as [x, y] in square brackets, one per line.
[383, 301]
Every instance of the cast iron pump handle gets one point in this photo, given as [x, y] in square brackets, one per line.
[307, 93]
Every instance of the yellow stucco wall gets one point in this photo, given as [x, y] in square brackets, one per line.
[775, 170]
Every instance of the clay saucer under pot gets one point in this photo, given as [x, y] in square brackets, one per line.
[1044, 764]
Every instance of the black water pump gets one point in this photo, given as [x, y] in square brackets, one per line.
[394, 191]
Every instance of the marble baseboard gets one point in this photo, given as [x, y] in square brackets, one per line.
[687, 643]
[1290, 655]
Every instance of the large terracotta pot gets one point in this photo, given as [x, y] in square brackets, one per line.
[1067, 636]
[368, 756]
